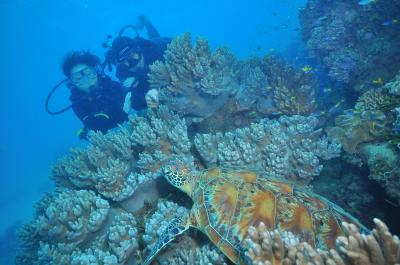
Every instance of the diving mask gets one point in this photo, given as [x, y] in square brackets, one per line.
[129, 57]
[84, 77]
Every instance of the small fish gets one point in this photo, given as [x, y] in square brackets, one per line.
[306, 69]
[378, 81]
[292, 98]
[366, 2]
[327, 90]
[272, 50]
[390, 22]
[274, 13]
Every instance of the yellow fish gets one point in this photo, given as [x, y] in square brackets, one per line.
[306, 68]
[378, 81]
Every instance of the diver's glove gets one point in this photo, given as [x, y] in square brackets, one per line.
[141, 22]
[152, 98]
[127, 103]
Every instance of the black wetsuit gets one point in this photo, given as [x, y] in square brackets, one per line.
[152, 50]
[102, 108]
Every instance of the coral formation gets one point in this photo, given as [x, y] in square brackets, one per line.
[354, 128]
[78, 226]
[194, 81]
[115, 164]
[111, 203]
[351, 42]
[201, 85]
[290, 147]
[380, 247]
[384, 167]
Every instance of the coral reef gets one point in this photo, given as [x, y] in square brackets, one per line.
[290, 147]
[111, 203]
[74, 227]
[394, 86]
[193, 81]
[355, 128]
[115, 164]
[205, 86]
[276, 247]
[384, 167]
[351, 40]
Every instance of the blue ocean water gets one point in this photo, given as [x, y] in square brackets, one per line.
[35, 35]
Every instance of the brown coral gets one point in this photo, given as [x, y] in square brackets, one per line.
[293, 90]
[354, 128]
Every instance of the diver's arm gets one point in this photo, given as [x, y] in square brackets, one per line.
[151, 30]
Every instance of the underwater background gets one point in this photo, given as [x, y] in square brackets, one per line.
[358, 58]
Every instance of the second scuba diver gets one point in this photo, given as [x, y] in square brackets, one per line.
[132, 57]
[96, 99]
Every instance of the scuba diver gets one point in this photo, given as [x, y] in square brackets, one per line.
[132, 57]
[97, 100]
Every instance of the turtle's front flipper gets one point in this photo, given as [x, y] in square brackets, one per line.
[177, 226]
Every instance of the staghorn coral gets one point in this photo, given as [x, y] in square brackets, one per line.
[277, 248]
[290, 147]
[193, 81]
[355, 128]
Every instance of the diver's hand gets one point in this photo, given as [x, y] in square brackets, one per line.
[141, 21]
[152, 98]
[128, 82]
[127, 103]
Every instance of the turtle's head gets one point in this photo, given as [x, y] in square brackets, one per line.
[180, 175]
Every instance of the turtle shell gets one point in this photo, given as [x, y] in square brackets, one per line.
[227, 202]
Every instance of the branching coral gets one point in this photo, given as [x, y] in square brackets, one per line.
[71, 217]
[377, 99]
[277, 248]
[290, 147]
[104, 165]
[193, 80]
[293, 91]
[115, 164]
[79, 227]
[156, 224]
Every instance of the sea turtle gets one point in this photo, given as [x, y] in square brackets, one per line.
[226, 202]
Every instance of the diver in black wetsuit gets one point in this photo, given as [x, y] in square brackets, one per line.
[132, 57]
[96, 99]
